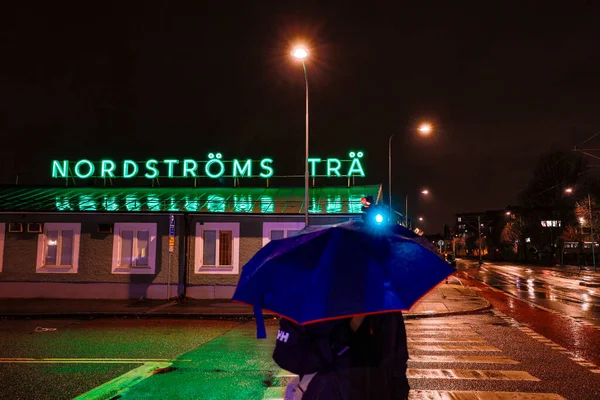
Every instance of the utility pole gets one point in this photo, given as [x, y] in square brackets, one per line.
[479, 229]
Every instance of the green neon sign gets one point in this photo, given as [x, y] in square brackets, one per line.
[214, 167]
[90, 169]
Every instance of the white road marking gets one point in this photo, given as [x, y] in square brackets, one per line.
[450, 347]
[480, 395]
[446, 340]
[424, 358]
[470, 374]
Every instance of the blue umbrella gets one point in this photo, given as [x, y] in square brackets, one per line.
[339, 271]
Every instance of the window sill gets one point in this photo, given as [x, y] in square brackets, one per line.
[54, 269]
[213, 269]
[133, 270]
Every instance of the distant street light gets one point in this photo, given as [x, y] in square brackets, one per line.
[420, 218]
[508, 213]
[423, 192]
[424, 129]
[301, 53]
[581, 220]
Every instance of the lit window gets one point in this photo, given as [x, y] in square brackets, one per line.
[280, 230]
[217, 248]
[134, 248]
[58, 248]
[2, 230]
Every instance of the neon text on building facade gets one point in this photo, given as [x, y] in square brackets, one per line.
[215, 167]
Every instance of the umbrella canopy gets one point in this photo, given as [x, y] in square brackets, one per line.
[339, 271]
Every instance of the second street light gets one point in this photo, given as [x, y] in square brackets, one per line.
[591, 221]
[301, 53]
[424, 129]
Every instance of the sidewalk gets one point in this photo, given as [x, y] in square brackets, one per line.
[444, 299]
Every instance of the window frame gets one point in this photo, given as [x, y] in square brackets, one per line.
[2, 236]
[41, 250]
[116, 267]
[280, 226]
[199, 267]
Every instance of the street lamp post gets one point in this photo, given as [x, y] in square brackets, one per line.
[301, 53]
[581, 220]
[390, 177]
[424, 129]
[592, 231]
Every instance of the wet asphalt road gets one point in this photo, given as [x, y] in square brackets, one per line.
[488, 352]
[555, 288]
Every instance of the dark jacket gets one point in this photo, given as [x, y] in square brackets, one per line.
[374, 368]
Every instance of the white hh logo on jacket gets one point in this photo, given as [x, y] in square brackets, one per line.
[283, 336]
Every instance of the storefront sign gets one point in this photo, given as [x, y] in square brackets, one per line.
[215, 167]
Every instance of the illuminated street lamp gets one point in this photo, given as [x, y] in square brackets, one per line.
[581, 221]
[421, 219]
[301, 53]
[424, 192]
[424, 129]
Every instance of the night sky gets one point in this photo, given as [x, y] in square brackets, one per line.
[138, 80]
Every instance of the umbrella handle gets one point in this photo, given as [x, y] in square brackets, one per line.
[261, 332]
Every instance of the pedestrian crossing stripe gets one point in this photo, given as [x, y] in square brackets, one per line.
[431, 322]
[440, 333]
[276, 393]
[451, 347]
[480, 395]
[415, 328]
[446, 340]
[425, 358]
[508, 375]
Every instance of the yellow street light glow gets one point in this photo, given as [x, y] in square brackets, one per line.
[425, 128]
[569, 190]
[420, 218]
[425, 191]
[300, 53]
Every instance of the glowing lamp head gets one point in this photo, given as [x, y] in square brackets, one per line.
[569, 190]
[420, 218]
[425, 129]
[425, 191]
[379, 218]
[300, 53]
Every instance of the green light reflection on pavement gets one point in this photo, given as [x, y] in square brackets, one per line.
[232, 366]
